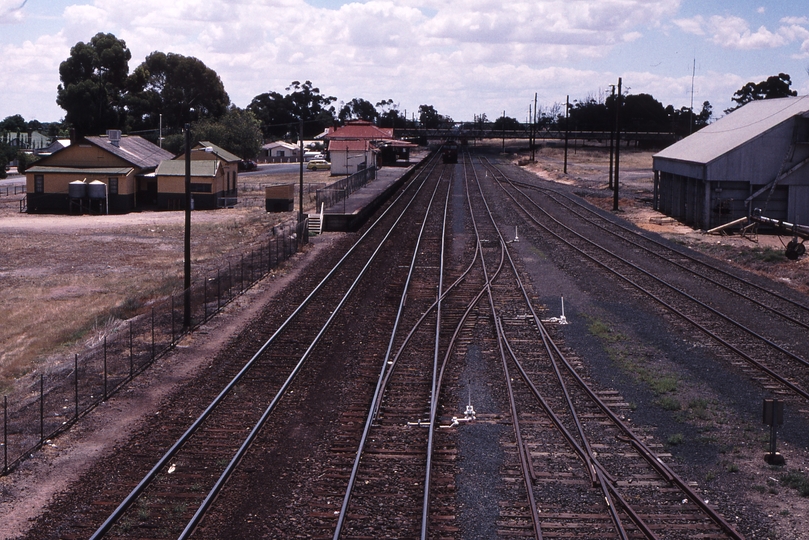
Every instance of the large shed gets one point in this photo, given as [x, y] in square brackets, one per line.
[752, 158]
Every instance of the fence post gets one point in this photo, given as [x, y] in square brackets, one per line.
[5, 435]
[41, 408]
[204, 298]
[153, 344]
[76, 383]
[131, 356]
[105, 368]
[241, 275]
[172, 321]
[218, 289]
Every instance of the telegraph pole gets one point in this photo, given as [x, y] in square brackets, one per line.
[300, 191]
[617, 148]
[187, 239]
[567, 128]
[612, 136]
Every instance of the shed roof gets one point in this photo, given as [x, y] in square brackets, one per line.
[735, 129]
[107, 171]
[219, 151]
[133, 149]
[199, 167]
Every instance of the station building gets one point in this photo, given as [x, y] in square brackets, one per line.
[752, 158]
[121, 173]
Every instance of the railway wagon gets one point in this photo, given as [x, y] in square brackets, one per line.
[449, 154]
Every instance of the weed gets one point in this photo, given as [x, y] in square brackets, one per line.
[732, 467]
[676, 439]
[664, 384]
[797, 480]
[669, 403]
[603, 331]
[710, 475]
[759, 488]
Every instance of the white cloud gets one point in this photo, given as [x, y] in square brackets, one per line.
[11, 11]
[694, 25]
[734, 33]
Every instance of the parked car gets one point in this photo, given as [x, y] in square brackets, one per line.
[318, 164]
[247, 165]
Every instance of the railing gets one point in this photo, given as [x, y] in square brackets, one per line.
[46, 404]
[341, 189]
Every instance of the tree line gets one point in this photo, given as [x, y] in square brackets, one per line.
[168, 90]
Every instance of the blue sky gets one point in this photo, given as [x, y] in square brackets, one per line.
[464, 57]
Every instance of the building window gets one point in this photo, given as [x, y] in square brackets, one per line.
[39, 183]
[201, 188]
[113, 183]
[281, 153]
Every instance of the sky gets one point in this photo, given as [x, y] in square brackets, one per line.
[463, 57]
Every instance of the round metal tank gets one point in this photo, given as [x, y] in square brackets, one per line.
[77, 189]
[97, 190]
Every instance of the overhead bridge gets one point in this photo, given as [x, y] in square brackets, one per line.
[664, 137]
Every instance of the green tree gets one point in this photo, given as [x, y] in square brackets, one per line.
[280, 115]
[774, 87]
[181, 88]
[93, 84]
[388, 115]
[358, 109]
[14, 124]
[430, 119]
[274, 113]
[237, 131]
[507, 123]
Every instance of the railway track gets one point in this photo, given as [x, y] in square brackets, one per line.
[416, 392]
[594, 477]
[171, 499]
[746, 322]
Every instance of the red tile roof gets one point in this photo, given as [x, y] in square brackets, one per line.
[360, 129]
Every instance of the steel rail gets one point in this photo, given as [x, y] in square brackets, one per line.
[380, 386]
[597, 477]
[647, 453]
[524, 458]
[798, 390]
[172, 451]
[663, 245]
[675, 263]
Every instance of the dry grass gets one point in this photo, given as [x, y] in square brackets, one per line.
[66, 279]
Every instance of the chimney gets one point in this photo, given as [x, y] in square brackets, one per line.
[114, 136]
[72, 135]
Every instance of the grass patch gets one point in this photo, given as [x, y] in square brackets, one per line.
[669, 403]
[732, 467]
[677, 438]
[798, 481]
[602, 330]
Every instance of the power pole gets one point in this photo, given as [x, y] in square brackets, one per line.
[612, 136]
[187, 239]
[617, 147]
[300, 191]
[567, 128]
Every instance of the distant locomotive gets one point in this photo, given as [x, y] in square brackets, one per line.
[449, 153]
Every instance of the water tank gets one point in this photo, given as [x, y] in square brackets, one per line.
[97, 190]
[77, 189]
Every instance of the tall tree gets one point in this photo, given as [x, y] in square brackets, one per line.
[93, 84]
[181, 88]
[388, 114]
[274, 113]
[429, 117]
[308, 104]
[358, 109]
[776, 86]
[237, 131]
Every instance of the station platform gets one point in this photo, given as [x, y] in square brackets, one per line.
[352, 212]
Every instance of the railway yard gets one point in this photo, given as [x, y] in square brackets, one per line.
[490, 356]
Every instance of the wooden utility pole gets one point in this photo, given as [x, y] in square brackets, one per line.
[300, 191]
[567, 128]
[187, 239]
[617, 147]
[612, 136]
